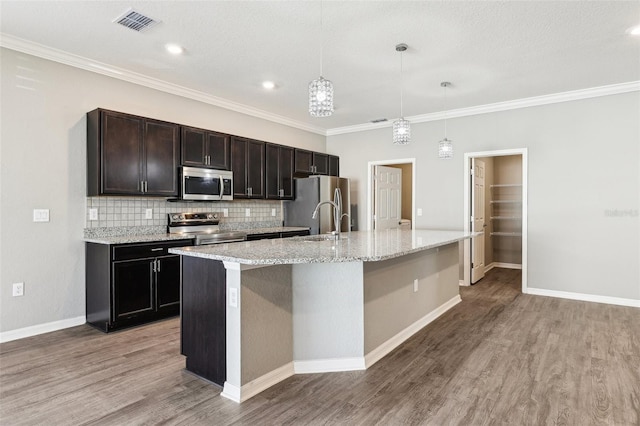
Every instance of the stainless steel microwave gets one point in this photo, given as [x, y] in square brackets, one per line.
[200, 184]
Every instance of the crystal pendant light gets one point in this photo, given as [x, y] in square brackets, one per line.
[445, 147]
[401, 127]
[320, 89]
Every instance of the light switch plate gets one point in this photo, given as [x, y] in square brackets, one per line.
[41, 215]
[233, 297]
[93, 214]
[148, 214]
[18, 289]
[419, 212]
[247, 212]
[225, 212]
[273, 212]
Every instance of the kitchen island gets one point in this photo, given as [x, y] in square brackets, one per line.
[255, 313]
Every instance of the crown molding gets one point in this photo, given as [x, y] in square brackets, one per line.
[594, 92]
[45, 52]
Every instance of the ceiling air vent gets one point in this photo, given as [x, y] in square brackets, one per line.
[135, 20]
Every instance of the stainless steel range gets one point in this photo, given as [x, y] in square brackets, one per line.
[204, 226]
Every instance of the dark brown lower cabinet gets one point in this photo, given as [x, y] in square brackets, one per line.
[203, 318]
[131, 284]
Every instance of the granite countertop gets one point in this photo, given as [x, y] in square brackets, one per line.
[360, 246]
[144, 238]
[274, 229]
[133, 237]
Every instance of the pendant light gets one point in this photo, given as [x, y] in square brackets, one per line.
[320, 89]
[401, 127]
[445, 147]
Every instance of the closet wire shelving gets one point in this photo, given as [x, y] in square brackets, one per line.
[513, 215]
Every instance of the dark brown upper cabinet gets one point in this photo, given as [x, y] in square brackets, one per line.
[279, 172]
[247, 164]
[334, 165]
[204, 148]
[309, 163]
[131, 155]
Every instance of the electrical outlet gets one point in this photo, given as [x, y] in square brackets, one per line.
[41, 215]
[415, 285]
[273, 212]
[18, 289]
[148, 214]
[247, 212]
[233, 297]
[225, 212]
[419, 212]
[93, 214]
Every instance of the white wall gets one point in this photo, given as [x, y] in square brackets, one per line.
[584, 162]
[43, 152]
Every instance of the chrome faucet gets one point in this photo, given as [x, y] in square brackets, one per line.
[337, 211]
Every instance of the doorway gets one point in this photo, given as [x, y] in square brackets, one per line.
[407, 166]
[503, 219]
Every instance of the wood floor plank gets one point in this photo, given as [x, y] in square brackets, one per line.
[497, 358]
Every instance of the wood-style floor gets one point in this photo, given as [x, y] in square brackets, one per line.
[499, 357]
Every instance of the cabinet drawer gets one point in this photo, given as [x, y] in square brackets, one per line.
[140, 251]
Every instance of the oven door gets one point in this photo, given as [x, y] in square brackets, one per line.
[206, 184]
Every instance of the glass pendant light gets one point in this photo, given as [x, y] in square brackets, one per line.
[445, 147]
[321, 89]
[401, 127]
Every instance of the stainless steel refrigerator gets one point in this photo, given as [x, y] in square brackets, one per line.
[311, 191]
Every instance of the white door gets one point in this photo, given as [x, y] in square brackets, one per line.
[477, 219]
[387, 182]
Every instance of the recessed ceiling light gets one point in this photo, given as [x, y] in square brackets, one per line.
[174, 49]
[269, 85]
[634, 30]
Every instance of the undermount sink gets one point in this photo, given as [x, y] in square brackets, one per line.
[321, 237]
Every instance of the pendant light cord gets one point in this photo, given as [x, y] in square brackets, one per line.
[401, 85]
[445, 111]
[321, 38]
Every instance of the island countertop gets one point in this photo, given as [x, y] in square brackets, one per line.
[359, 246]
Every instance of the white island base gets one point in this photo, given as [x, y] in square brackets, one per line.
[297, 318]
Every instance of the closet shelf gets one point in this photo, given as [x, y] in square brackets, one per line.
[506, 217]
[506, 185]
[506, 234]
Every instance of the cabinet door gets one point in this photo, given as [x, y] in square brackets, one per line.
[334, 165]
[218, 151]
[239, 167]
[168, 282]
[255, 169]
[133, 287]
[121, 153]
[303, 161]
[193, 147]
[161, 146]
[285, 178]
[272, 166]
[320, 163]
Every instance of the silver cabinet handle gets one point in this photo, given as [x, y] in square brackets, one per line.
[157, 265]
[156, 249]
[221, 186]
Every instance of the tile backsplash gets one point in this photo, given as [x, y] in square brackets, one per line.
[128, 211]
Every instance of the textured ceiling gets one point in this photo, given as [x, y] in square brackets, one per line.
[490, 51]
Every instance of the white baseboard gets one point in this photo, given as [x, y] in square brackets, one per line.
[34, 330]
[461, 282]
[329, 365]
[635, 303]
[256, 386]
[378, 353]
[502, 265]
